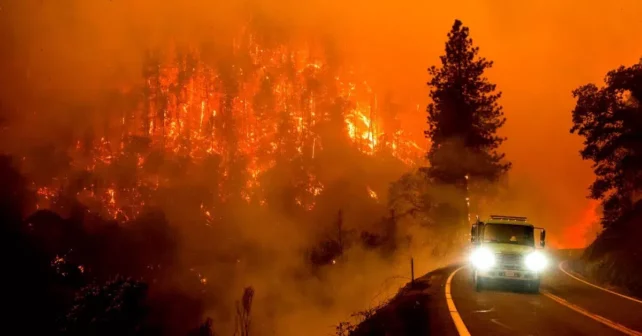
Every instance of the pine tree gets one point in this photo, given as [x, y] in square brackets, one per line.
[463, 118]
[610, 120]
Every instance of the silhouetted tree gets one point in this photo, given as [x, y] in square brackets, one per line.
[243, 313]
[410, 196]
[463, 119]
[226, 125]
[610, 120]
[264, 105]
[282, 183]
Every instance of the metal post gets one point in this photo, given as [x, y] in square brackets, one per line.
[340, 230]
[412, 272]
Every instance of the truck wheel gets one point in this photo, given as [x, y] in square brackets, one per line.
[479, 284]
[533, 286]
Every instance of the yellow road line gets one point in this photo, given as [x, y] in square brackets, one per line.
[595, 317]
[596, 286]
[459, 323]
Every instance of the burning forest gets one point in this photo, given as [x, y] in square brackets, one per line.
[218, 169]
[226, 126]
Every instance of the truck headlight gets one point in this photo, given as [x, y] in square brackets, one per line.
[536, 261]
[482, 258]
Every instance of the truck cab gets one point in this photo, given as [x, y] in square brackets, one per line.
[504, 249]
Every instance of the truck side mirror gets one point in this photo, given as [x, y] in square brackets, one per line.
[542, 238]
[473, 234]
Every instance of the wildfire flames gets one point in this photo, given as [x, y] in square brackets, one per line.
[372, 194]
[239, 118]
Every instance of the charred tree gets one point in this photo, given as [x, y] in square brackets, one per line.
[264, 105]
[226, 128]
[151, 90]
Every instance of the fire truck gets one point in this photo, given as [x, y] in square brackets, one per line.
[504, 250]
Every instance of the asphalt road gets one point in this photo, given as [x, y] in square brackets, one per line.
[564, 306]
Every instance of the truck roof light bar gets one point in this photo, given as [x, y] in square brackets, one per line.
[513, 218]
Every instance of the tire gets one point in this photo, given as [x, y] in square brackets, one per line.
[532, 286]
[479, 284]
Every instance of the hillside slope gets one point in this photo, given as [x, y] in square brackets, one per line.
[615, 257]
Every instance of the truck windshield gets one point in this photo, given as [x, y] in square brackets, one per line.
[509, 234]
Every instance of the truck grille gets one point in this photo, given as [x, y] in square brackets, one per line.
[511, 261]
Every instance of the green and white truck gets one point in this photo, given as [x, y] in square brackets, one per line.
[504, 249]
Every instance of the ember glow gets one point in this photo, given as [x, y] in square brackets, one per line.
[242, 117]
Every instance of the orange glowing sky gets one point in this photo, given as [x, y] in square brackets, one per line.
[542, 50]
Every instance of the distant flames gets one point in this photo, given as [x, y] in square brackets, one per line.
[583, 230]
[372, 194]
[267, 104]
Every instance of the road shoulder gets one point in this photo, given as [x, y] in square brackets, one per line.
[416, 310]
[566, 269]
[602, 302]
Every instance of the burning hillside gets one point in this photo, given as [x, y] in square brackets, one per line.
[233, 119]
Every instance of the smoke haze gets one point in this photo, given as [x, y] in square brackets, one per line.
[55, 54]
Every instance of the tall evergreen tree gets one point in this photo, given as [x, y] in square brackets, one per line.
[463, 119]
[610, 120]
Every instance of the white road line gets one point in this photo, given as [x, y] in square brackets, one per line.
[463, 331]
[596, 286]
[459, 323]
[595, 317]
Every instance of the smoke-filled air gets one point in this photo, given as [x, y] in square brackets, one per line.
[263, 167]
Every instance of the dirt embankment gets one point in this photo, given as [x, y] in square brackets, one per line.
[614, 259]
[417, 309]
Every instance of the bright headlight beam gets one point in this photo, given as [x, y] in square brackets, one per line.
[482, 258]
[536, 261]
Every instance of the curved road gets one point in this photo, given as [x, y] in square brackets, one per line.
[565, 306]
